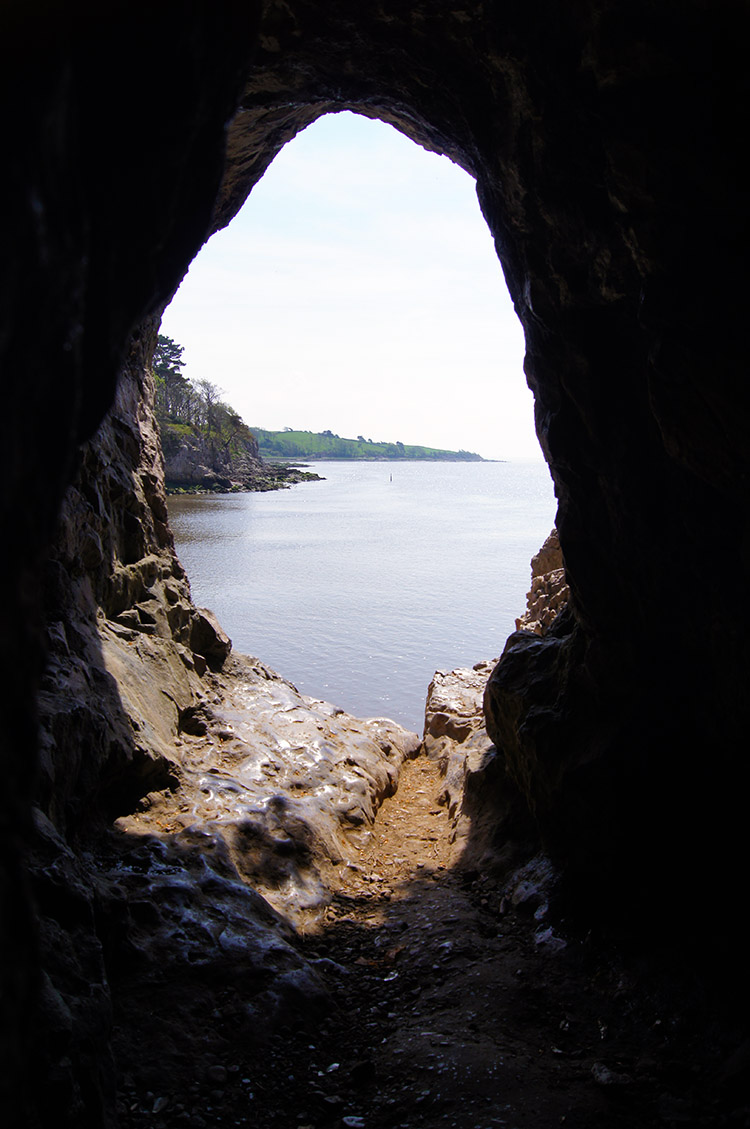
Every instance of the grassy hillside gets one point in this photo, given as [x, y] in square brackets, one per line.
[326, 445]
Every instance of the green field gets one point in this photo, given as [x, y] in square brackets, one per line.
[326, 445]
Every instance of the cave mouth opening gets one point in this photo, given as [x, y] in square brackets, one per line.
[358, 292]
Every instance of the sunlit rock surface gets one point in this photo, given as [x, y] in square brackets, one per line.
[454, 732]
[476, 744]
[281, 780]
[201, 887]
[491, 828]
[549, 591]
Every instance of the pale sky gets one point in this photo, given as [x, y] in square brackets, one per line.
[358, 290]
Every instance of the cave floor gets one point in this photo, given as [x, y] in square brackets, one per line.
[447, 1011]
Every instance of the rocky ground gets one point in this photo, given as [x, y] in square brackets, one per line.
[413, 993]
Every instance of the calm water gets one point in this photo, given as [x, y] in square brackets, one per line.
[358, 588]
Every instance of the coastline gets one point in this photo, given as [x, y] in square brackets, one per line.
[281, 477]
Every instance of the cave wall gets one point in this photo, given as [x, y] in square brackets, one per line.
[617, 214]
[103, 114]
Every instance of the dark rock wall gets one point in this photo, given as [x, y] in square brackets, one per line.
[113, 132]
[618, 219]
[113, 561]
[125, 651]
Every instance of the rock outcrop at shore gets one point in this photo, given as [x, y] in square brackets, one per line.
[193, 465]
[494, 829]
[201, 885]
[549, 592]
[604, 141]
[492, 834]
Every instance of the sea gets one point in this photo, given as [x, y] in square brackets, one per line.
[359, 587]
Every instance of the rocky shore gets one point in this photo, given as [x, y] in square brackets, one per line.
[194, 466]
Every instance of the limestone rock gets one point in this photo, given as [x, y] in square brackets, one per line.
[525, 679]
[191, 461]
[549, 591]
[453, 716]
[283, 780]
[196, 465]
[208, 638]
[491, 828]
[231, 792]
[549, 558]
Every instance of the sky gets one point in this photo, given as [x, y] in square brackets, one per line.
[358, 291]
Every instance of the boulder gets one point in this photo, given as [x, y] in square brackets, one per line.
[208, 638]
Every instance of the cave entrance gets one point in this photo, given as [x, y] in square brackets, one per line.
[358, 293]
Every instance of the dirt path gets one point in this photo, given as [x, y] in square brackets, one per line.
[448, 1012]
[437, 976]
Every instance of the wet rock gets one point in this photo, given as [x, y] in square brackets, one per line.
[549, 940]
[283, 795]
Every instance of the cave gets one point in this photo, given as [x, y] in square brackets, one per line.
[613, 199]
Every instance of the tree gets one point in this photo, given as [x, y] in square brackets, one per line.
[210, 397]
[173, 390]
[168, 356]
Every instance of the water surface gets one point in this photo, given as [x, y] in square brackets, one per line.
[359, 587]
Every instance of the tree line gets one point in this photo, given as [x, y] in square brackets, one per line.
[292, 444]
[185, 405]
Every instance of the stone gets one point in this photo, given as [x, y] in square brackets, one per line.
[208, 638]
[549, 592]
[487, 833]
[453, 715]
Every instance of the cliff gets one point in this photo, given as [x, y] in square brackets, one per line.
[194, 464]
